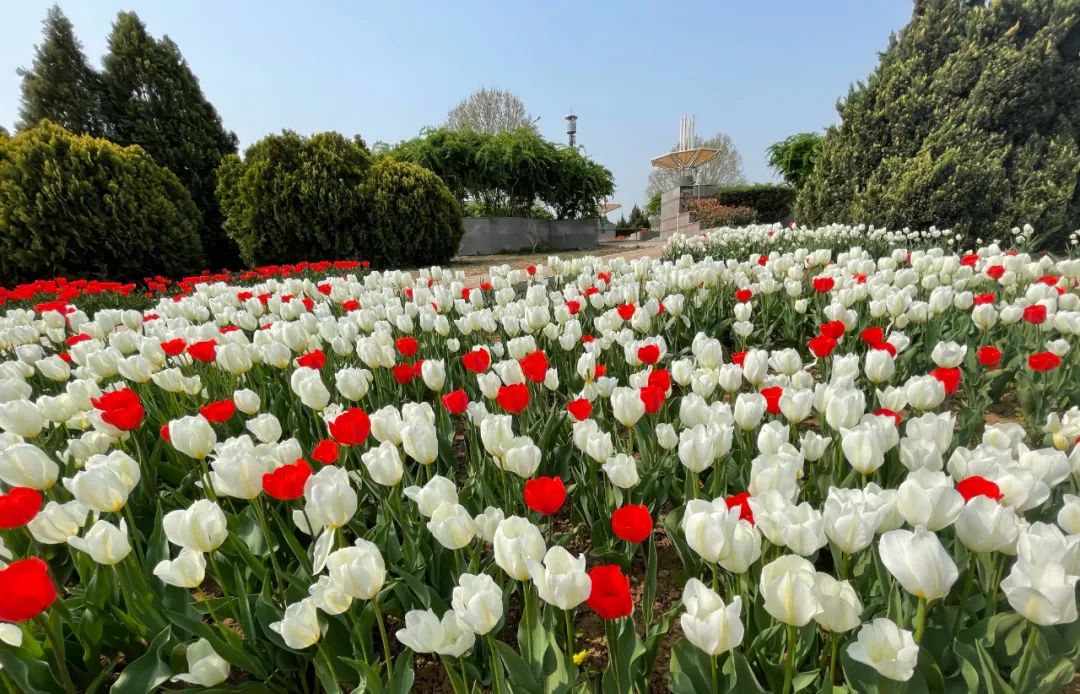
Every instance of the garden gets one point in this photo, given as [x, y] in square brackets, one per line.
[805, 456]
[773, 461]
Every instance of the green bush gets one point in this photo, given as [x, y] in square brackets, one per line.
[78, 206]
[414, 218]
[772, 203]
[709, 214]
[510, 173]
[968, 122]
[296, 198]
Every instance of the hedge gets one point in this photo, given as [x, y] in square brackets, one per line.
[79, 206]
[414, 218]
[295, 198]
[773, 203]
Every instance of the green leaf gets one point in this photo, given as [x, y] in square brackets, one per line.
[145, 673]
[403, 674]
[689, 672]
[517, 668]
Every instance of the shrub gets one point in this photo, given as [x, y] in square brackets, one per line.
[709, 213]
[79, 206]
[414, 218]
[295, 198]
[771, 202]
[968, 122]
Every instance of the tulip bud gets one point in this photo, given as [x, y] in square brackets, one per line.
[708, 623]
[205, 667]
[561, 580]
[887, 648]
[478, 602]
[200, 527]
[299, 627]
[517, 540]
[186, 571]
[105, 543]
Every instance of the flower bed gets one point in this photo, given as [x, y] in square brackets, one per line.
[770, 463]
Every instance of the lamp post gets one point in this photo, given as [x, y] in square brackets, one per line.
[571, 129]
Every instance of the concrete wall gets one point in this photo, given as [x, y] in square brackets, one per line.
[490, 235]
[673, 204]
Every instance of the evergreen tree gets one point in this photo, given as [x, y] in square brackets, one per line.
[61, 86]
[153, 99]
[968, 122]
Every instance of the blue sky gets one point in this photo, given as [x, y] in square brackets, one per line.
[758, 71]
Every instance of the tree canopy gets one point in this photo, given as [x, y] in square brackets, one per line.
[489, 111]
[510, 173]
[793, 158]
[968, 122]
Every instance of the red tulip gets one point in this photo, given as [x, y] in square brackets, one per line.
[407, 345]
[610, 595]
[648, 354]
[217, 412]
[514, 398]
[573, 306]
[350, 305]
[351, 427]
[205, 351]
[325, 452]
[456, 401]
[25, 590]
[534, 366]
[972, 487]
[949, 377]
[1044, 361]
[738, 357]
[314, 359]
[1035, 314]
[632, 523]
[660, 378]
[872, 335]
[580, 409]
[743, 295]
[772, 396]
[824, 284]
[477, 360]
[164, 432]
[120, 408]
[995, 271]
[287, 482]
[626, 311]
[834, 329]
[821, 346]
[173, 347]
[652, 397]
[545, 495]
[404, 373]
[742, 500]
[18, 507]
[981, 299]
[989, 356]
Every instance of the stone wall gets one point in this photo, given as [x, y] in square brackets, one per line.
[490, 235]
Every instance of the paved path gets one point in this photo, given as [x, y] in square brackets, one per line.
[653, 248]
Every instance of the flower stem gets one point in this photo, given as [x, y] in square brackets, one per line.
[58, 654]
[789, 665]
[612, 648]
[715, 673]
[920, 620]
[832, 658]
[385, 641]
[570, 644]
[496, 668]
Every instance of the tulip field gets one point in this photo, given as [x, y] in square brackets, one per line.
[776, 460]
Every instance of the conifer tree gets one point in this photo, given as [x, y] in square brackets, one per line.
[152, 99]
[968, 122]
[60, 86]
